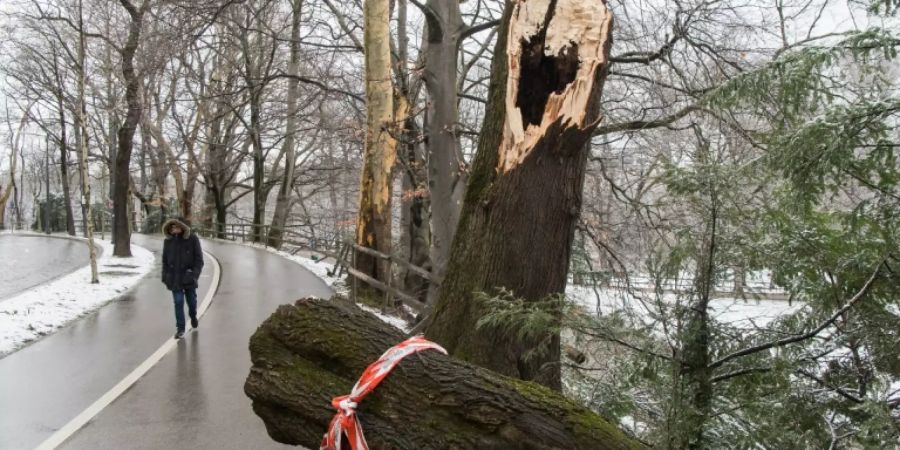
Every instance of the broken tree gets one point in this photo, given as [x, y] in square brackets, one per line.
[305, 354]
[524, 193]
[373, 224]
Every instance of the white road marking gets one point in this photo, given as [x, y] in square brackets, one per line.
[85, 416]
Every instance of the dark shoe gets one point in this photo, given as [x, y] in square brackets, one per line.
[179, 334]
[194, 322]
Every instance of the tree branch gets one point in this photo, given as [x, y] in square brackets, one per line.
[639, 125]
[318, 84]
[470, 30]
[435, 28]
[802, 337]
[647, 57]
[823, 383]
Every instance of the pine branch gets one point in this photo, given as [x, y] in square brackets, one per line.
[802, 337]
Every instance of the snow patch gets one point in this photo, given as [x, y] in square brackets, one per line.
[42, 310]
[740, 313]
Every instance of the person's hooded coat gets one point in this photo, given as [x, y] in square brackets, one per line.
[182, 259]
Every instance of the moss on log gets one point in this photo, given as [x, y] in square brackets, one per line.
[307, 353]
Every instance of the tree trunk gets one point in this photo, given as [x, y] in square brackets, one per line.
[304, 355]
[254, 88]
[416, 211]
[18, 193]
[64, 176]
[283, 202]
[83, 152]
[11, 187]
[373, 225]
[692, 393]
[4, 198]
[122, 241]
[63, 148]
[524, 194]
[446, 178]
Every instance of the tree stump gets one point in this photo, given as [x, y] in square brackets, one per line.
[307, 353]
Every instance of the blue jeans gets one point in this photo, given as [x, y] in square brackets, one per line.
[179, 295]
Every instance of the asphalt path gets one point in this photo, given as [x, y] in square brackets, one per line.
[192, 398]
[28, 260]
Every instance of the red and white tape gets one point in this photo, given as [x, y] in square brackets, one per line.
[345, 425]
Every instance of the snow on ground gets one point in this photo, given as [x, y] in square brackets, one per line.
[740, 313]
[321, 267]
[42, 310]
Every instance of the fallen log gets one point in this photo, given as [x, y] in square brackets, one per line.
[307, 353]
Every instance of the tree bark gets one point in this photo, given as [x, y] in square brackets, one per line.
[283, 201]
[373, 225]
[692, 393]
[446, 177]
[524, 193]
[254, 65]
[63, 147]
[121, 228]
[11, 186]
[415, 213]
[304, 355]
[83, 152]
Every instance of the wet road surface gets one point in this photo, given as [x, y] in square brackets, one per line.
[27, 261]
[46, 384]
[193, 398]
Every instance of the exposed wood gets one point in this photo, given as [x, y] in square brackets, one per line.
[373, 227]
[551, 84]
[305, 354]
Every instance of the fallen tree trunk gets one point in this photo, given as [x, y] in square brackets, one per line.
[307, 353]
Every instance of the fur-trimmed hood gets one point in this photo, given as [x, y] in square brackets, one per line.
[181, 222]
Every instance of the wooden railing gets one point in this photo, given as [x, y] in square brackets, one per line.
[339, 251]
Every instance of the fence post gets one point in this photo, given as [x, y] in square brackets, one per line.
[387, 292]
[353, 291]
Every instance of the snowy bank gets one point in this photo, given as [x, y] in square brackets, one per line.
[42, 310]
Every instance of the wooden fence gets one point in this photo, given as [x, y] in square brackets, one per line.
[339, 251]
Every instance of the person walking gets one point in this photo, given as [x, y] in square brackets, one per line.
[182, 263]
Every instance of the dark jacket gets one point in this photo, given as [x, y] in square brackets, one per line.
[182, 259]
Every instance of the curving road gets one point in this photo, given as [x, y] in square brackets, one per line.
[192, 398]
[30, 260]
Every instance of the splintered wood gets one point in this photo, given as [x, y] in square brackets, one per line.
[554, 50]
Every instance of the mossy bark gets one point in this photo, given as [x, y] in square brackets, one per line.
[307, 353]
[524, 193]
